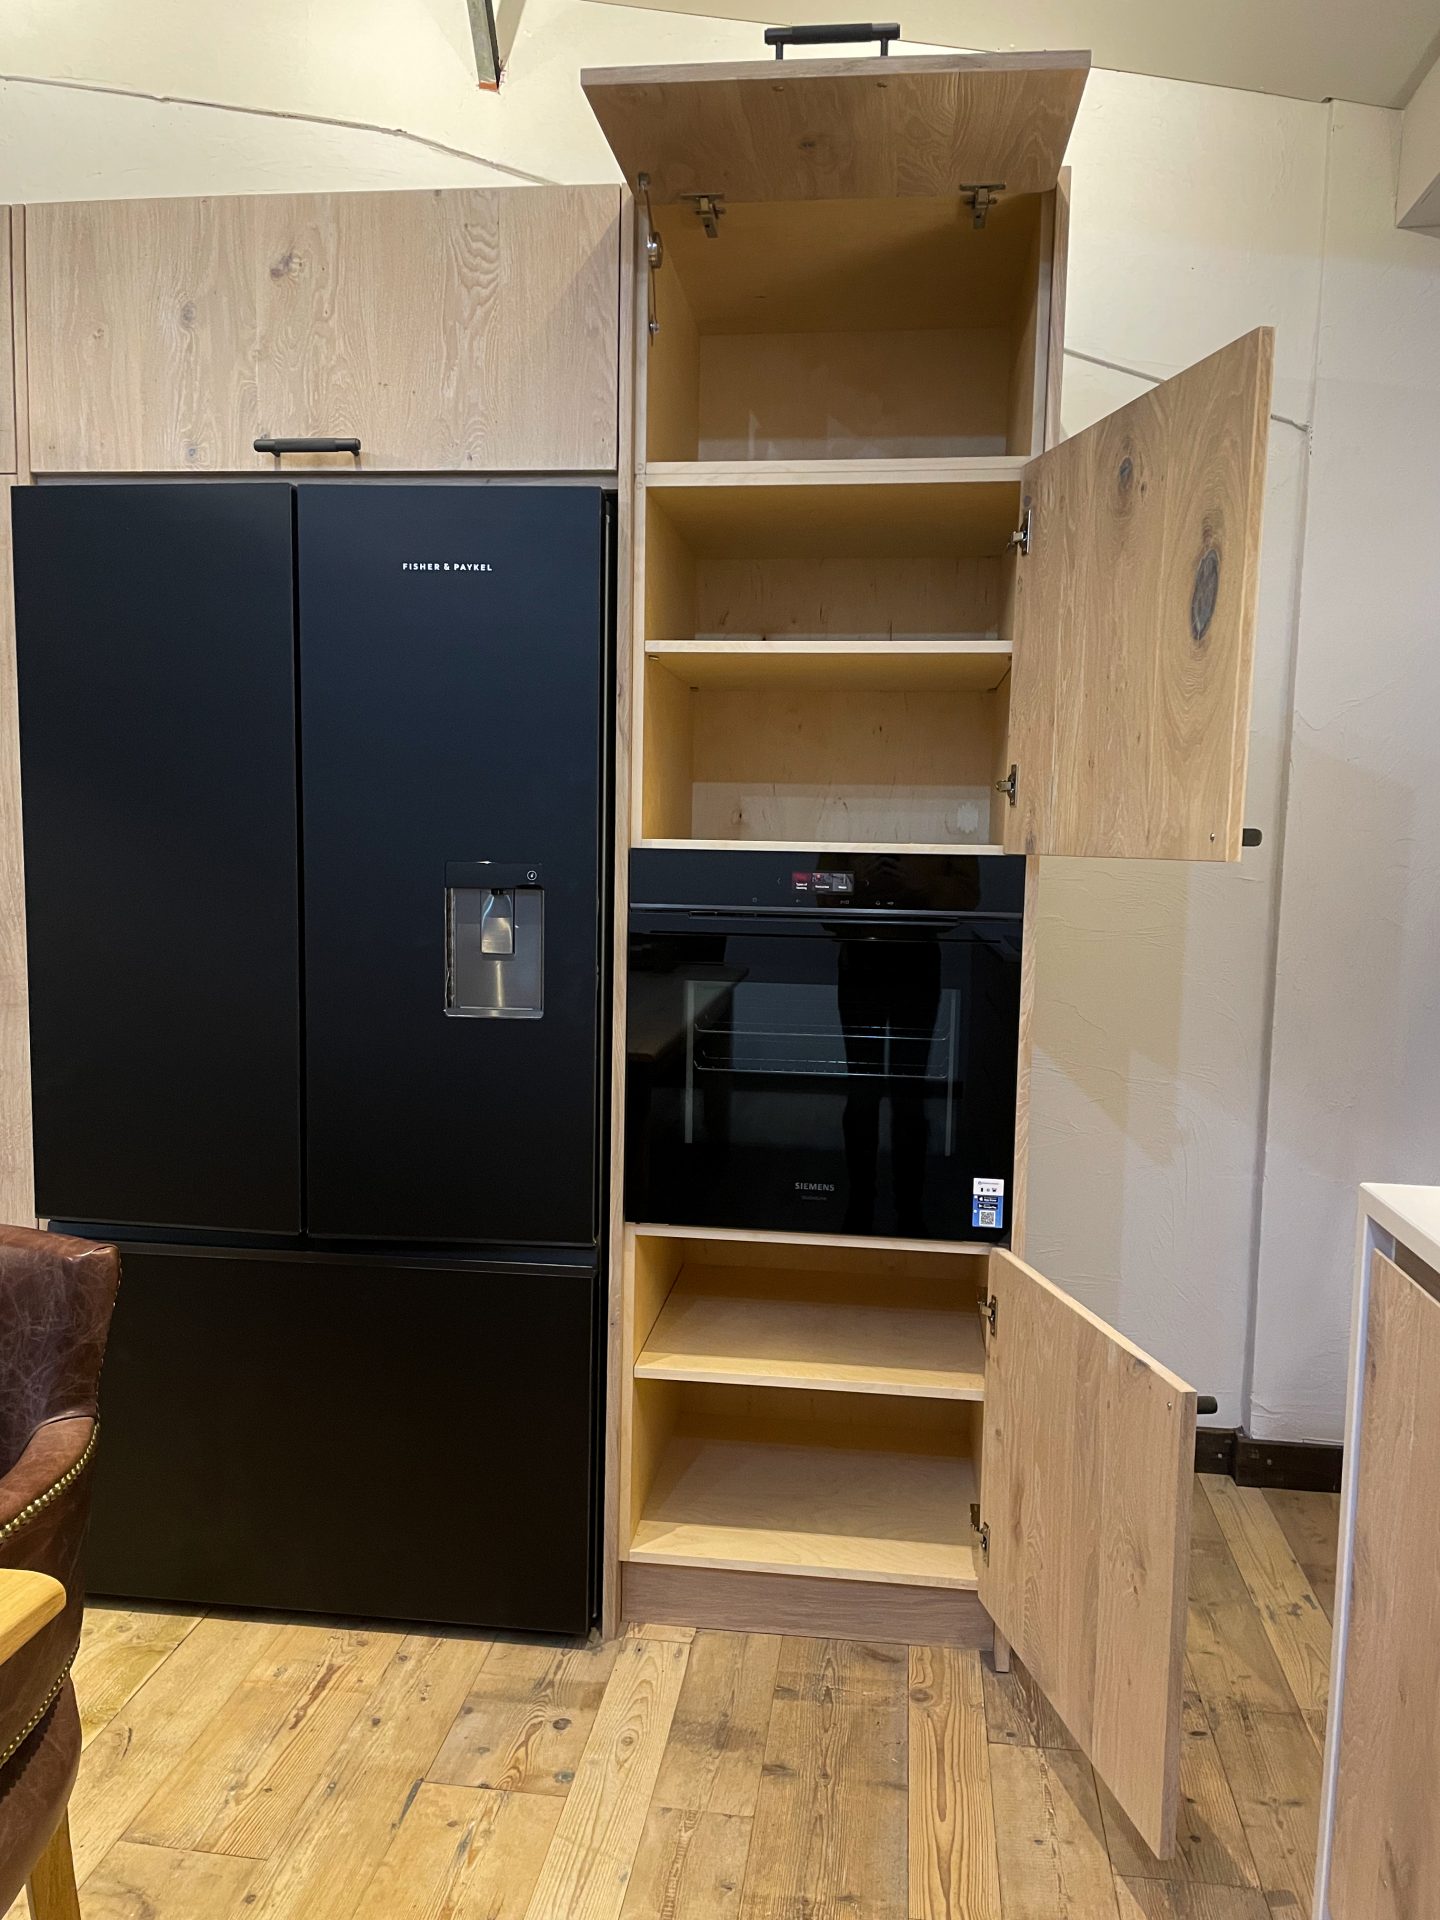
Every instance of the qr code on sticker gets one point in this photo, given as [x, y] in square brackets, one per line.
[985, 1217]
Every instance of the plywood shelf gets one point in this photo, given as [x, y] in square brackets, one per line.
[818, 1331]
[961, 664]
[829, 846]
[873, 509]
[830, 1512]
[856, 1245]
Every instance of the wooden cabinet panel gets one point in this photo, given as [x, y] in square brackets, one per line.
[141, 327]
[448, 330]
[1087, 1470]
[469, 330]
[1134, 617]
[841, 129]
[8, 450]
[1386, 1859]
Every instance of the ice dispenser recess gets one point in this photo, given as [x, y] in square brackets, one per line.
[494, 941]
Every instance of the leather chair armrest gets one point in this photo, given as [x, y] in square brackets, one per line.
[27, 1601]
[57, 1451]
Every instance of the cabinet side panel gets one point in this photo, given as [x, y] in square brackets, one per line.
[1387, 1835]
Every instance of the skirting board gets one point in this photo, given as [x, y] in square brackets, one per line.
[1307, 1466]
[785, 1603]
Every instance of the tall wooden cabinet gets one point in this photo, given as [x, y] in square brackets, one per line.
[879, 604]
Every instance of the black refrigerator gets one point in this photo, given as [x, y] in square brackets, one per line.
[315, 788]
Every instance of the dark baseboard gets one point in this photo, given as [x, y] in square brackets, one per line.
[1307, 1466]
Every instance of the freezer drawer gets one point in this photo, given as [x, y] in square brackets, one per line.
[394, 1437]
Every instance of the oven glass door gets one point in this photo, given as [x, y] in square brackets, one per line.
[823, 1075]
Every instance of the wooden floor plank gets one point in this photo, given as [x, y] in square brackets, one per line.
[345, 1826]
[1168, 1900]
[1273, 1766]
[1311, 1523]
[157, 1726]
[120, 1648]
[954, 1873]
[463, 1853]
[136, 1882]
[1210, 1844]
[1292, 1617]
[1017, 1712]
[590, 1859]
[525, 1724]
[1229, 1651]
[305, 1692]
[717, 1738]
[829, 1833]
[1049, 1835]
[688, 1863]
[638, 1630]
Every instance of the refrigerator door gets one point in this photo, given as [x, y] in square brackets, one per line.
[453, 680]
[392, 1436]
[157, 731]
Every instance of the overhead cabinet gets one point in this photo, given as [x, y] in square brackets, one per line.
[462, 330]
[880, 604]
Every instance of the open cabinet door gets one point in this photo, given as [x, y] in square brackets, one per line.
[850, 129]
[1087, 1474]
[1134, 619]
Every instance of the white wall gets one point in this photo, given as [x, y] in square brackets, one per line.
[1198, 213]
[1355, 1076]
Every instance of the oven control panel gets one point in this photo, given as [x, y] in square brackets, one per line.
[806, 886]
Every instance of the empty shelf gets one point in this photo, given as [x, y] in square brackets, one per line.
[959, 665]
[832, 1512]
[718, 1325]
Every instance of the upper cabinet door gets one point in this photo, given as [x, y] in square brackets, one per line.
[841, 129]
[1087, 1475]
[1134, 620]
[465, 330]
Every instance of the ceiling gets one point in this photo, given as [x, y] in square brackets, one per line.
[1308, 49]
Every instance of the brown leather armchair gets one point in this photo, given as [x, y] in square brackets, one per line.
[56, 1296]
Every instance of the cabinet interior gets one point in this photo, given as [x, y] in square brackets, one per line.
[831, 329]
[826, 664]
[805, 1407]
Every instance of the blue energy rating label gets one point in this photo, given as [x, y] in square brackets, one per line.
[987, 1208]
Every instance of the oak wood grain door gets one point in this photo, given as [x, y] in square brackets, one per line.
[841, 129]
[1385, 1862]
[1134, 619]
[1087, 1469]
[467, 330]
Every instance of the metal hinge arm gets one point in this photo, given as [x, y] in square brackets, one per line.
[982, 1528]
[1019, 541]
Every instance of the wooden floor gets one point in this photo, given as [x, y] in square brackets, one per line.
[248, 1766]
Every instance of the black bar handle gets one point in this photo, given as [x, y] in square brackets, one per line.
[1250, 836]
[1207, 1403]
[304, 443]
[782, 37]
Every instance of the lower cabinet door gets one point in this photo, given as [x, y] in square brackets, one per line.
[1087, 1479]
[388, 1436]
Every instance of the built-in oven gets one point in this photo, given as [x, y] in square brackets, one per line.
[823, 1042]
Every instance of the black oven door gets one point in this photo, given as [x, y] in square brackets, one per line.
[823, 1074]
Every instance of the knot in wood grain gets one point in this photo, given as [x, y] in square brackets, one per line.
[1204, 594]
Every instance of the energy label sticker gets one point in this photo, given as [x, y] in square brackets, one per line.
[987, 1208]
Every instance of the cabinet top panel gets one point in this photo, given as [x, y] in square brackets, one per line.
[841, 129]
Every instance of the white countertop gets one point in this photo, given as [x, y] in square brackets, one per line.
[1412, 1214]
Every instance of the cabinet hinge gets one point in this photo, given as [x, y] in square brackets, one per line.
[709, 211]
[1019, 541]
[1007, 786]
[982, 1528]
[980, 196]
[654, 253]
[990, 1311]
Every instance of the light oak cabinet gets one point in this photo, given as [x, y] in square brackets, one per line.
[879, 603]
[465, 330]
